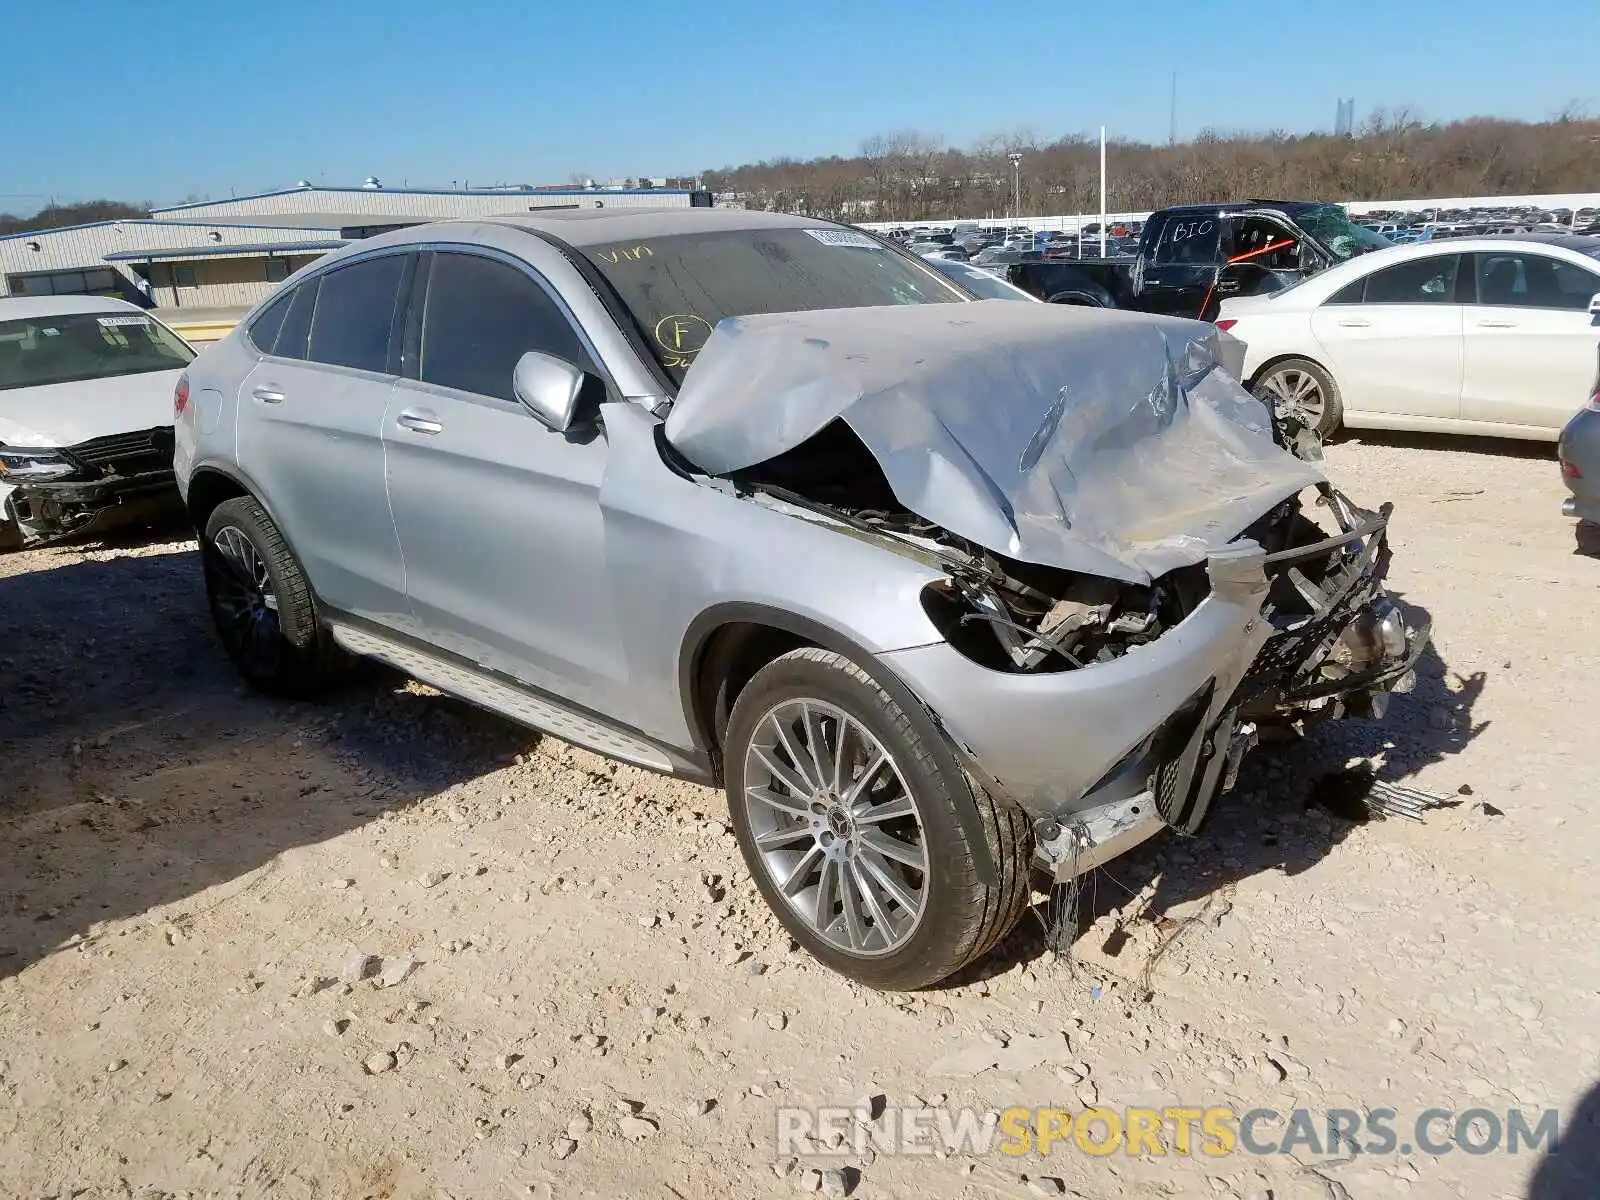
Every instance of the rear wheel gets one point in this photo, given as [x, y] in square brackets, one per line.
[850, 827]
[262, 604]
[1301, 386]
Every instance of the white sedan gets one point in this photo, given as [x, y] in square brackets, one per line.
[1489, 335]
[86, 401]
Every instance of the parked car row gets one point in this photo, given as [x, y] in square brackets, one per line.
[1421, 225]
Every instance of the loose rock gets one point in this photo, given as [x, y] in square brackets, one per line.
[637, 1128]
[377, 1064]
[360, 966]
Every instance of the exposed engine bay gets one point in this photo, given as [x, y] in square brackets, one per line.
[1339, 642]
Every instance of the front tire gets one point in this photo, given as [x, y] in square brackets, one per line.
[1300, 384]
[850, 827]
[262, 605]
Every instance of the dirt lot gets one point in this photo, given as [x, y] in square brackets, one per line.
[597, 1004]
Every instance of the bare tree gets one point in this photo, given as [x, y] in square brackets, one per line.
[1393, 154]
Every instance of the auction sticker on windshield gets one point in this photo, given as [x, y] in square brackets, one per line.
[118, 322]
[843, 237]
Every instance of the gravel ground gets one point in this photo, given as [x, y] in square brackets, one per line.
[578, 992]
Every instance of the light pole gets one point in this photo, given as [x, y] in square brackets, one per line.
[1016, 184]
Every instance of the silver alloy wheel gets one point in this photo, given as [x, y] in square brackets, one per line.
[836, 826]
[1298, 391]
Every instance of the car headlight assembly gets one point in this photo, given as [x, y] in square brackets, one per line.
[18, 465]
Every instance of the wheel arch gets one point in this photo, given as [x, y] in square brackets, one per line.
[209, 487]
[728, 643]
[1083, 297]
[1276, 359]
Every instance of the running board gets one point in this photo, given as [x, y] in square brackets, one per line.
[537, 712]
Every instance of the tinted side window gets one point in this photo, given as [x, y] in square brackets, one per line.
[1523, 280]
[1421, 281]
[481, 317]
[355, 313]
[1350, 293]
[296, 332]
[264, 329]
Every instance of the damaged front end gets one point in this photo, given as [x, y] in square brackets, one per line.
[93, 486]
[1135, 570]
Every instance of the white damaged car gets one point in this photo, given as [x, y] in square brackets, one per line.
[86, 400]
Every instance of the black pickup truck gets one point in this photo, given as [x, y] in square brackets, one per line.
[1192, 256]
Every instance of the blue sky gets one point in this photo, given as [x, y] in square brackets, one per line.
[172, 97]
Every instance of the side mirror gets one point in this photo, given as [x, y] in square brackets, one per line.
[549, 386]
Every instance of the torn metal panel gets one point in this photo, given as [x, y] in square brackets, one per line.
[1106, 443]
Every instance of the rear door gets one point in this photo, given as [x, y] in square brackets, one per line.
[311, 432]
[1530, 340]
[1393, 340]
[499, 516]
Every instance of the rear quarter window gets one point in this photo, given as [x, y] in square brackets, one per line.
[264, 329]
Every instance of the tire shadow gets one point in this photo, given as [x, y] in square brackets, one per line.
[1572, 1171]
[140, 771]
[1496, 447]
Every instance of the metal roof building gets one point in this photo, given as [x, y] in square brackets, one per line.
[426, 204]
[232, 253]
[172, 264]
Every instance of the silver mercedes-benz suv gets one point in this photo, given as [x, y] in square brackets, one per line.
[943, 591]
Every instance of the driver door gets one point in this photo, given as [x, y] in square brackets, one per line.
[499, 517]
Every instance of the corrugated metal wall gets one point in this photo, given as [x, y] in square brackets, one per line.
[385, 202]
[87, 245]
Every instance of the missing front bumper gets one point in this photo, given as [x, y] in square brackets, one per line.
[47, 511]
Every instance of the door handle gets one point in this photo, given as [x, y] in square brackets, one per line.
[267, 395]
[419, 420]
[1497, 324]
[1355, 322]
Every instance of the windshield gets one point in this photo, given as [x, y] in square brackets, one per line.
[1332, 226]
[677, 288]
[39, 351]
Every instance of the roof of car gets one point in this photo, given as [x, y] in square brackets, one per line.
[592, 226]
[1289, 206]
[16, 308]
[1482, 242]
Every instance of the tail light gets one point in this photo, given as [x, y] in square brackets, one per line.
[1225, 323]
[180, 396]
[1570, 470]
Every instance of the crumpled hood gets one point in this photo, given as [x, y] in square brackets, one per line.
[64, 414]
[1097, 441]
